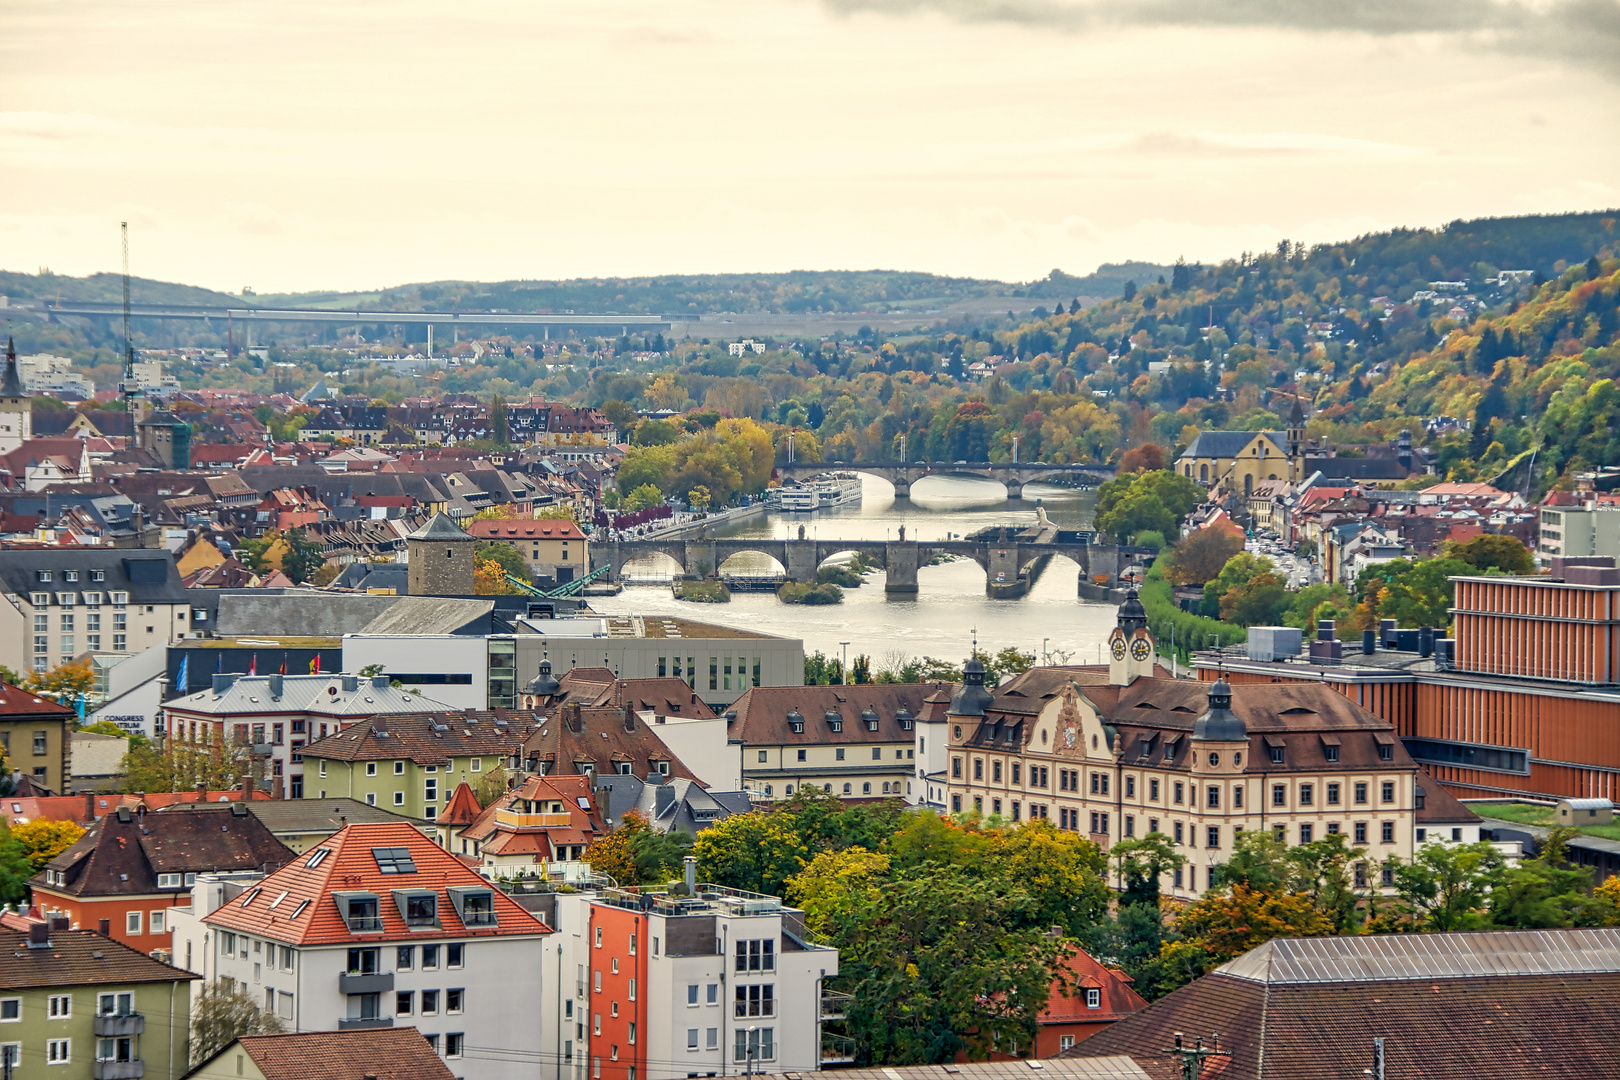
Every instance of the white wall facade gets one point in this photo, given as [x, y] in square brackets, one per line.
[412, 658]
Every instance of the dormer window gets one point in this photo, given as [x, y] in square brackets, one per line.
[474, 906]
[1276, 755]
[624, 768]
[43, 576]
[360, 912]
[419, 909]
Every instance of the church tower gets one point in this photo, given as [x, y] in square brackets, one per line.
[16, 413]
[1296, 443]
[1131, 649]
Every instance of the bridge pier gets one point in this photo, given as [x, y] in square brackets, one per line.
[801, 562]
[1002, 580]
[902, 489]
[699, 559]
[900, 562]
[1015, 488]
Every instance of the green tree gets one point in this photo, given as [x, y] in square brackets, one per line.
[1063, 875]
[1490, 551]
[504, 555]
[755, 852]
[1142, 861]
[1009, 661]
[699, 498]
[304, 556]
[1155, 501]
[500, 428]
[1446, 888]
[15, 869]
[1413, 593]
[643, 498]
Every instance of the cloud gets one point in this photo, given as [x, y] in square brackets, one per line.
[1585, 32]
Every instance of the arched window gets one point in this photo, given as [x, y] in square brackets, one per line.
[846, 789]
[866, 788]
[1203, 474]
[828, 788]
[885, 787]
[789, 789]
[768, 789]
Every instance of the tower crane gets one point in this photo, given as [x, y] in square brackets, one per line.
[127, 388]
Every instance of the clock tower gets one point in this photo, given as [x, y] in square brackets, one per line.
[1131, 650]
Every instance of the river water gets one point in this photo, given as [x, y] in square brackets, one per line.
[950, 605]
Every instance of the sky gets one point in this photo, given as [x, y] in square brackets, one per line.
[355, 144]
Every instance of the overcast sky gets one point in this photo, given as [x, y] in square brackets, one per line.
[353, 144]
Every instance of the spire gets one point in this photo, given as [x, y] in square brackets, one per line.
[1297, 417]
[973, 697]
[1220, 724]
[12, 385]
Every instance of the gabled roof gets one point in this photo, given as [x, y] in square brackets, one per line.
[342, 696]
[123, 852]
[1226, 444]
[521, 529]
[16, 702]
[77, 958]
[763, 712]
[347, 862]
[384, 1053]
[499, 835]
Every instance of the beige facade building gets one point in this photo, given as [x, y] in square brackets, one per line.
[1126, 753]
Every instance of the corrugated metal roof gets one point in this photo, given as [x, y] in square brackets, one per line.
[1379, 957]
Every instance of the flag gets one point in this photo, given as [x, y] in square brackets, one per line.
[315, 665]
[283, 663]
[180, 678]
[253, 665]
[219, 663]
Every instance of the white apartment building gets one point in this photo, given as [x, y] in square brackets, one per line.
[68, 602]
[710, 982]
[1578, 531]
[380, 927]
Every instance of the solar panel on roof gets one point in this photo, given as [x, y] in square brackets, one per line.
[394, 860]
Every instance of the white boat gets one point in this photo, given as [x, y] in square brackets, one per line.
[820, 492]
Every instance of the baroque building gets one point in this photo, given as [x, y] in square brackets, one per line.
[1125, 752]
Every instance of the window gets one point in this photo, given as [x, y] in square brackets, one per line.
[1130, 825]
[1305, 833]
[802, 754]
[711, 1038]
[1213, 799]
[453, 955]
[1179, 787]
[40, 743]
[1386, 752]
[1153, 790]
[154, 921]
[978, 768]
[405, 958]
[1276, 755]
[1387, 833]
[453, 999]
[1130, 787]
[58, 1051]
[60, 1006]
[1361, 793]
[1178, 832]
[363, 915]
[1213, 838]
[404, 1002]
[756, 954]
[430, 1003]
[1333, 828]
[1389, 791]
[1361, 832]
[1093, 998]
[1306, 793]
[132, 922]
[453, 1043]
[956, 767]
[1279, 833]
[1331, 753]
[421, 909]
[399, 798]
[763, 757]
[756, 1000]
[364, 961]
[691, 1038]
[692, 995]
[1279, 794]
[371, 768]
[713, 993]
[1333, 794]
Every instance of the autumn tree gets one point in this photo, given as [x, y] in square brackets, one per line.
[1226, 923]
[1149, 457]
[64, 682]
[1491, 551]
[637, 854]
[1199, 556]
[42, 840]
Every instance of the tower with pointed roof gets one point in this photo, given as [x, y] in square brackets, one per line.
[1296, 442]
[440, 557]
[16, 412]
[1131, 649]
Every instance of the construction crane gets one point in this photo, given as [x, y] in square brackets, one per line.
[127, 388]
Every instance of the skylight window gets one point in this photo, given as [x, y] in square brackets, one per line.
[249, 898]
[316, 857]
[394, 860]
[278, 900]
[299, 910]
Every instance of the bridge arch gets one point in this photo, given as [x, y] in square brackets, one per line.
[749, 562]
[651, 566]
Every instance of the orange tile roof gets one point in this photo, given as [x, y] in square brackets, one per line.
[520, 529]
[463, 808]
[276, 909]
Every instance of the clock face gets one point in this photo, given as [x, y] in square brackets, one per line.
[1140, 649]
[1119, 648]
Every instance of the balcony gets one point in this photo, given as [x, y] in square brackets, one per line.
[112, 1025]
[512, 819]
[363, 1023]
[118, 1070]
[365, 924]
[366, 984]
[837, 1050]
[834, 1006]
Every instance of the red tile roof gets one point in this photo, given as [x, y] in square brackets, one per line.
[524, 529]
[276, 908]
[385, 1053]
[463, 808]
[15, 701]
[1118, 1000]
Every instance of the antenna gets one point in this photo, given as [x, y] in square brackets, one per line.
[127, 388]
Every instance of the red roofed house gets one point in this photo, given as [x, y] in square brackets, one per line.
[553, 547]
[379, 927]
[1097, 997]
[132, 869]
[544, 821]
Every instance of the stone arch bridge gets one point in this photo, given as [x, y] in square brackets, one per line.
[902, 474]
[1010, 566]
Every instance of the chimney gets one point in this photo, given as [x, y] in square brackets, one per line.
[1369, 641]
[60, 922]
[351, 683]
[39, 935]
[223, 682]
[277, 683]
[380, 682]
[104, 928]
[691, 874]
[663, 797]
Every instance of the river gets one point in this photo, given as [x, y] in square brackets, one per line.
[950, 604]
